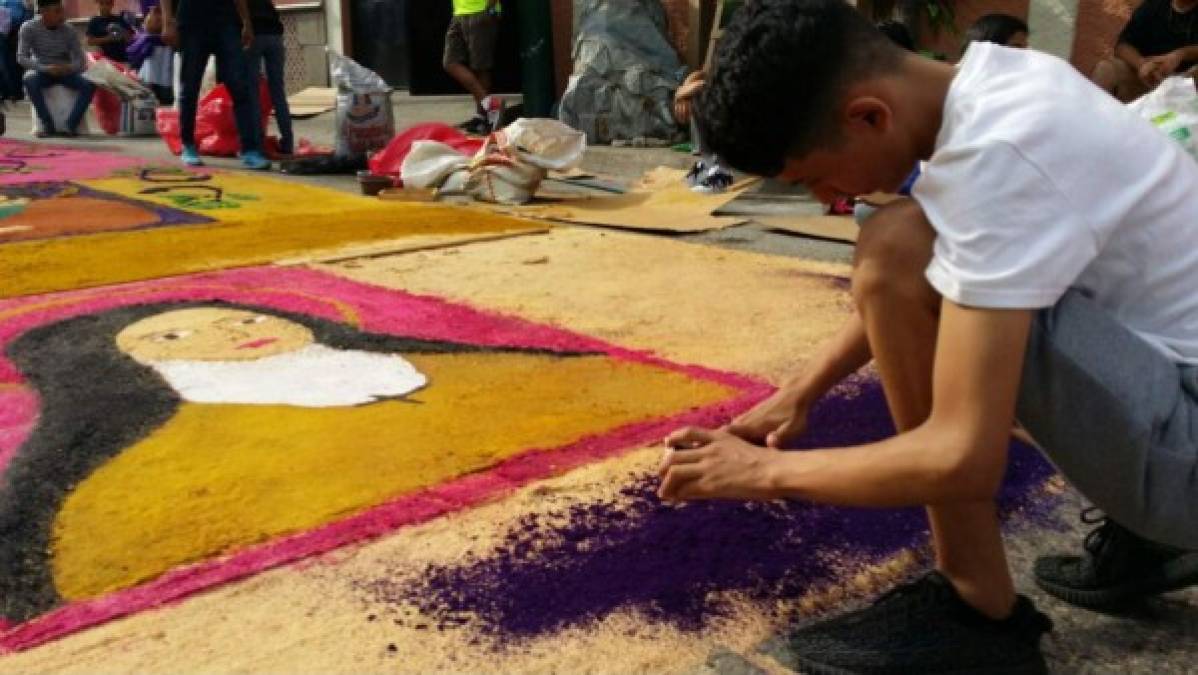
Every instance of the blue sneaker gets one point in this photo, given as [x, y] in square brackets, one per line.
[252, 159]
[191, 156]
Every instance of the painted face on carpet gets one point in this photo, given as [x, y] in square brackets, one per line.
[684, 565]
[213, 425]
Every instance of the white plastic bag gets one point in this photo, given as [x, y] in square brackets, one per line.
[496, 176]
[102, 73]
[545, 143]
[365, 121]
[1173, 108]
[509, 167]
[429, 164]
[59, 102]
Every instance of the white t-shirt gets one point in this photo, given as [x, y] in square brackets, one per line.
[1041, 182]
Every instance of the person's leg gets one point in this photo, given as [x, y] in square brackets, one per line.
[963, 617]
[252, 60]
[84, 90]
[194, 50]
[455, 57]
[15, 71]
[1134, 454]
[1117, 417]
[35, 83]
[275, 57]
[230, 65]
[901, 314]
[1118, 79]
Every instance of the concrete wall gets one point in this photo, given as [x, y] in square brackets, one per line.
[1098, 25]
[305, 33]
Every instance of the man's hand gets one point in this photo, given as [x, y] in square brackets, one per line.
[775, 422]
[58, 70]
[705, 464]
[247, 36]
[692, 85]
[682, 111]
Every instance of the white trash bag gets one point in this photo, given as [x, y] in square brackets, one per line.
[429, 164]
[365, 121]
[509, 167]
[546, 143]
[1173, 108]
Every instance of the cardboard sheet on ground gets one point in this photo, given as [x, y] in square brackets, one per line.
[580, 573]
[146, 222]
[312, 101]
[215, 425]
[660, 202]
[839, 228]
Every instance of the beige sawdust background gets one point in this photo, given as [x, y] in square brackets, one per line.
[731, 310]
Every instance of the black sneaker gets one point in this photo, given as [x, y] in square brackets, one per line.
[1117, 566]
[923, 627]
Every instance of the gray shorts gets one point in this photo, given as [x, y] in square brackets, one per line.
[470, 41]
[1116, 416]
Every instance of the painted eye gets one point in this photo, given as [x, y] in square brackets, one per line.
[172, 336]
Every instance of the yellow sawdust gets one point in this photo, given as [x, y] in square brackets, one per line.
[734, 310]
[215, 478]
[726, 309]
[283, 220]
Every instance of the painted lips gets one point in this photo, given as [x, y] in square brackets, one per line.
[256, 344]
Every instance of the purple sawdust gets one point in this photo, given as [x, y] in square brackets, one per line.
[671, 563]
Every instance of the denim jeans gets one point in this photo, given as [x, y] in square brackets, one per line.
[269, 50]
[35, 85]
[224, 43]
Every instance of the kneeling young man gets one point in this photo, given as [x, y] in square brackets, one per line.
[1030, 277]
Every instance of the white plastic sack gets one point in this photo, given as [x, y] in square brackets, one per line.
[429, 164]
[365, 121]
[544, 143]
[104, 75]
[499, 177]
[59, 101]
[1173, 108]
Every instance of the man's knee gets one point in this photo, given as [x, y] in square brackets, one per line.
[893, 250]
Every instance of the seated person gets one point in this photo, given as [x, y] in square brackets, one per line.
[152, 59]
[1001, 29]
[50, 52]
[1160, 39]
[110, 32]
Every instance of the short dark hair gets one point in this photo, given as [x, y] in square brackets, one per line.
[778, 73]
[898, 33]
[47, 4]
[997, 28]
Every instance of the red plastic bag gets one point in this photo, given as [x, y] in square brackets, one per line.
[106, 105]
[216, 127]
[167, 123]
[387, 162]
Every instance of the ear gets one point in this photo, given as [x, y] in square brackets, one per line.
[868, 115]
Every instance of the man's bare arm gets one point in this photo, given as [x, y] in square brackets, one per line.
[958, 454]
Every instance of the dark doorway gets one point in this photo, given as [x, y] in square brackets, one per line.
[380, 38]
[403, 40]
